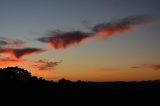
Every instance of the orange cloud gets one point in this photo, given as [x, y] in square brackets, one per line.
[10, 62]
[37, 65]
[148, 66]
[18, 53]
[61, 40]
[45, 65]
[120, 26]
[107, 32]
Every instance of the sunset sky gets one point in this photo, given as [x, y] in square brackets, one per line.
[90, 40]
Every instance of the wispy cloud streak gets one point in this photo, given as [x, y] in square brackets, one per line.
[155, 67]
[19, 53]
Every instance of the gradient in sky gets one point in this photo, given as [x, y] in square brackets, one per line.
[90, 40]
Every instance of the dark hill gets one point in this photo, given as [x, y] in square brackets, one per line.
[18, 85]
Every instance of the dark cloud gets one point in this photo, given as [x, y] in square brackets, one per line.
[18, 53]
[6, 42]
[60, 40]
[123, 25]
[148, 66]
[45, 65]
[3, 43]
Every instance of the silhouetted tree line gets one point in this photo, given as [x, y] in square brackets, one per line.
[18, 83]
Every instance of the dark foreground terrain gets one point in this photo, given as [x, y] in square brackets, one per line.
[18, 86]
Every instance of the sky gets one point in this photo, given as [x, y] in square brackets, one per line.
[90, 40]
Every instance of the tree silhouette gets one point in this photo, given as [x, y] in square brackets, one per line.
[17, 83]
[14, 73]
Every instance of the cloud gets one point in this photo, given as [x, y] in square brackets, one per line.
[38, 65]
[107, 69]
[45, 65]
[14, 48]
[61, 39]
[14, 43]
[3, 43]
[155, 67]
[19, 53]
[127, 24]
